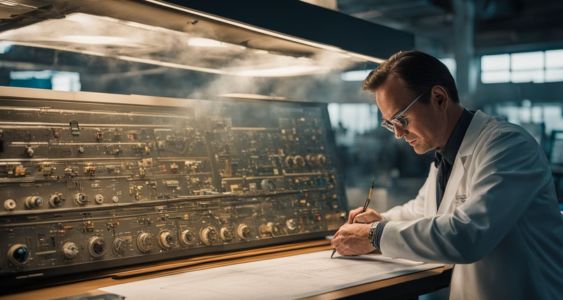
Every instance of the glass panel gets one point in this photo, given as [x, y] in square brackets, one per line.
[495, 76]
[553, 59]
[553, 75]
[495, 62]
[527, 76]
[527, 60]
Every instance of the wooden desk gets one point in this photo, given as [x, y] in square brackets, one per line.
[399, 287]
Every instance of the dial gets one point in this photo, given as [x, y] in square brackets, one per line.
[33, 202]
[208, 235]
[291, 224]
[99, 198]
[243, 231]
[56, 200]
[70, 250]
[188, 237]
[299, 161]
[226, 234]
[144, 242]
[18, 254]
[80, 199]
[269, 228]
[9, 204]
[97, 246]
[166, 239]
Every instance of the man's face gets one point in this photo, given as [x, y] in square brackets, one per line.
[423, 130]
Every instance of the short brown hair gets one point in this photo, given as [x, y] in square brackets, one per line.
[419, 70]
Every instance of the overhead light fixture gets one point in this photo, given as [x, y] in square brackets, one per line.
[252, 96]
[99, 40]
[211, 43]
[280, 71]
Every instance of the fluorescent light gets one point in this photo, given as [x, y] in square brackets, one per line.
[99, 40]
[210, 43]
[358, 75]
[252, 96]
[280, 71]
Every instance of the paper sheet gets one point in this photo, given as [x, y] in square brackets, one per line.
[280, 278]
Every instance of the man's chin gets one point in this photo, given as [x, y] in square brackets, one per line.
[419, 149]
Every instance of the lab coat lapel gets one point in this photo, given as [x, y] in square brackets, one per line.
[463, 156]
[458, 170]
[431, 192]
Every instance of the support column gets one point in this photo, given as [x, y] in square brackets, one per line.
[466, 68]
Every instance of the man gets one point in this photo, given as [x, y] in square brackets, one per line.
[488, 205]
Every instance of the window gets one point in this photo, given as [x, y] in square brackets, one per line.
[554, 65]
[537, 66]
[46, 79]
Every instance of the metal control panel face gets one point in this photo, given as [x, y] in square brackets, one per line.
[86, 186]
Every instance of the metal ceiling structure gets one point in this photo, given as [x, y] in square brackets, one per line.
[499, 24]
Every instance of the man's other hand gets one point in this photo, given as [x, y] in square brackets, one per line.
[369, 216]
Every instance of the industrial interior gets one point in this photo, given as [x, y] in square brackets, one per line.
[143, 141]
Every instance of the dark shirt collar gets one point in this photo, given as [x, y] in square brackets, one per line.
[449, 151]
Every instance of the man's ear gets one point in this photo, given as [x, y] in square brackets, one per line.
[439, 97]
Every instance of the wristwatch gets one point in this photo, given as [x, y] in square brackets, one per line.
[371, 232]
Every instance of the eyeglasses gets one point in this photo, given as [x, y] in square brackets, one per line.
[399, 120]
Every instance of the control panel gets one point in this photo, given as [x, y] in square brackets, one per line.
[92, 185]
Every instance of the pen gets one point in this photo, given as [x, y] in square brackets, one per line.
[366, 204]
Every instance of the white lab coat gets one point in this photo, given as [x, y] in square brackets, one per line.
[498, 221]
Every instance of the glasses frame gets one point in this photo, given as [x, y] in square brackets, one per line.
[399, 118]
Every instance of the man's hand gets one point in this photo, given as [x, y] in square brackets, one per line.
[369, 216]
[352, 239]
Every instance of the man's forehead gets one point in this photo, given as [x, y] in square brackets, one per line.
[389, 102]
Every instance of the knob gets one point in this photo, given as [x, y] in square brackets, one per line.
[289, 162]
[291, 224]
[166, 240]
[99, 198]
[33, 202]
[226, 234]
[208, 235]
[119, 245]
[18, 254]
[321, 159]
[80, 199]
[99, 135]
[144, 242]
[243, 231]
[56, 200]
[187, 237]
[269, 229]
[29, 151]
[311, 159]
[9, 204]
[299, 161]
[70, 250]
[97, 246]
[267, 185]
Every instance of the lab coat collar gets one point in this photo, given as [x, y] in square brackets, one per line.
[477, 124]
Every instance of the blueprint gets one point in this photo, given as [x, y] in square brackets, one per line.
[290, 277]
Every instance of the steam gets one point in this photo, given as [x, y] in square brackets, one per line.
[219, 68]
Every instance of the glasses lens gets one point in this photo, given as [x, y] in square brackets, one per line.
[399, 123]
[387, 125]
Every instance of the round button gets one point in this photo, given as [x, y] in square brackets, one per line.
[18, 254]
